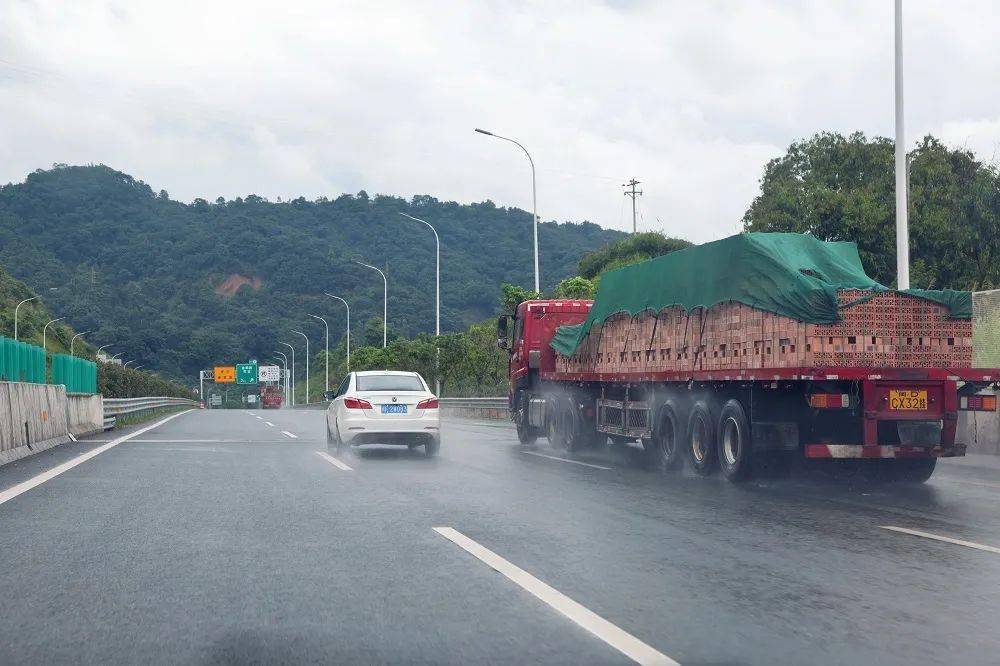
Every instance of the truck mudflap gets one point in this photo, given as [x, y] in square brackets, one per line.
[879, 451]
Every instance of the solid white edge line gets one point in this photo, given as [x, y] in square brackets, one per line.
[938, 537]
[268, 423]
[614, 636]
[39, 479]
[566, 460]
[333, 461]
[290, 434]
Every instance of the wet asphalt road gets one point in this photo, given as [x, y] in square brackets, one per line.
[215, 537]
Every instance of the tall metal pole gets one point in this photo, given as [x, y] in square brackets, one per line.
[46, 328]
[437, 292]
[125, 364]
[201, 385]
[326, 347]
[633, 193]
[102, 348]
[385, 303]
[284, 373]
[293, 369]
[902, 223]
[18, 307]
[307, 361]
[534, 197]
[348, 327]
[73, 341]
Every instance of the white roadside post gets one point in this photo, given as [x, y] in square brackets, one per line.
[385, 303]
[306, 337]
[437, 298]
[348, 327]
[293, 369]
[326, 348]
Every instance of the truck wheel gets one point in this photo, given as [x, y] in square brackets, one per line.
[553, 424]
[735, 447]
[526, 435]
[910, 470]
[701, 438]
[576, 436]
[663, 451]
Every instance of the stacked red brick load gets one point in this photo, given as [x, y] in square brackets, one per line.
[880, 330]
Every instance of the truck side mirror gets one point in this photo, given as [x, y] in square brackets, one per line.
[502, 331]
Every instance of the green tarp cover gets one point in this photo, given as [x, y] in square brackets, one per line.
[793, 275]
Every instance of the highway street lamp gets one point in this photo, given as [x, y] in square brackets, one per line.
[116, 356]
[46, 328]
[138, 367]
[293, 369]
[385, 303]
[437, 291]
[73, 341]
[326, 348]
[18, 307]
[102, 348]
[902, 224]
[534, 197]
[306, 337]
[284, 361]
[348, 327]
[125, 364]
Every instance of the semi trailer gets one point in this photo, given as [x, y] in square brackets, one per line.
[757, 346]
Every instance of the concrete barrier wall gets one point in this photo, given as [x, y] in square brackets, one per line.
[84, 414]
[32, 418]
[484, 413]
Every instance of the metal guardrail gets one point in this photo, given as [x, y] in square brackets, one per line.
[115, 407]
[482, 403]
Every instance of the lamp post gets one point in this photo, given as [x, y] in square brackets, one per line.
[902, 223]
[116, 355]
[46, 328]
[73, 341]
[138, 367]
[437, 293]
[18, 307]
[293, 369]
[534, 197]
[125, 364]
[385, 303]
[102, 348]
[326, 347]
[284, 361]
[306, 338]
[348, 327]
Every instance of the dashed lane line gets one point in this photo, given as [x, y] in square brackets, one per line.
[333, 461]
[614, 636]
[39, 479]
[289, 434]
[565, 460]
[938, 537]
[268, 423]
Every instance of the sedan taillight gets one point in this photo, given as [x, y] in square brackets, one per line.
[356, 403]
[429, 403]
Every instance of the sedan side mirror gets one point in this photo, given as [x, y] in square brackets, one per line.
[329, 395]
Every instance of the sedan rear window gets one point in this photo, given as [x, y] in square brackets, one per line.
[389, 383]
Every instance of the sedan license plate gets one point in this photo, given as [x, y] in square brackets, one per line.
[393, 409]
[908, 400]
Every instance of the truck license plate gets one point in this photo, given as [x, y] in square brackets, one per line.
[908, 400]
[393, 409]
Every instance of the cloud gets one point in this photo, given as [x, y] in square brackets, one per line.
[316, 99]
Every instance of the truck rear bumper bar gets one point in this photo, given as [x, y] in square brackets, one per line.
[879, 451]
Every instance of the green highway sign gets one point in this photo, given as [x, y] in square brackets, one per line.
[246, 373]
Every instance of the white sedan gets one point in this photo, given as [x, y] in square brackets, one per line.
[384, 407]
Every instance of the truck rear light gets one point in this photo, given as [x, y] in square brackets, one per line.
[429, 403]
[356, 403]
[978, 403]
[830, 400]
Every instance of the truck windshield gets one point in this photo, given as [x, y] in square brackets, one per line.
[389, 383]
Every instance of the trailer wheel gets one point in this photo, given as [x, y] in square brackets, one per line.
[910, 470]
[735, 447]
[701, 438]
[663, 451]
[554, 427]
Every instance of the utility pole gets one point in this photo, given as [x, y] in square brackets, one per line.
[633, 193]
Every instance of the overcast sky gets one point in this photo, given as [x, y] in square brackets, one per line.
[296, 98]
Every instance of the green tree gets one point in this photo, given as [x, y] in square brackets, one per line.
[511, 295]
[576, 287]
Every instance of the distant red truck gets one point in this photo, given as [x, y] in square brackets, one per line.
[270, 397]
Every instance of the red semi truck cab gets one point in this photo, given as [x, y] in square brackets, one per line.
[535, 323]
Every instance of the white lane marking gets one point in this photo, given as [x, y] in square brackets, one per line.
[72, 438]
[290, 434]
[938, 537]
[333, 461]
[258, 417]
[566, 460]
[268, 423]
[617, 638]
[39, 479]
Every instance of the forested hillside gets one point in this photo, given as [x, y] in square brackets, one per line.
[182, 286]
